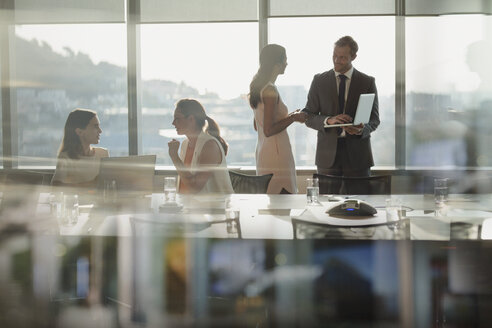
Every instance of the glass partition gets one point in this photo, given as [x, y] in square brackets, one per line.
[69, 54]
[448, 105]
[1, 118]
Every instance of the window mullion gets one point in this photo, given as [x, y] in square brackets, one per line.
[9, 108]
[133, 77]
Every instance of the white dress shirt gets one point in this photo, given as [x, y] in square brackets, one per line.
[348, 74]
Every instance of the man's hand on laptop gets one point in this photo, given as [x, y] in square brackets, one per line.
[354, 130]
[339, 119]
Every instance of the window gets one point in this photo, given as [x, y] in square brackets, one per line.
[309, 44]
[212, 62]
[69, 54]
[1, 117]
[449, 88]
[59, 68]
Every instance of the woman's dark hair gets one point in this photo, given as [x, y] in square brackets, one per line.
[192, 107]
[270, 55]
[78, 118]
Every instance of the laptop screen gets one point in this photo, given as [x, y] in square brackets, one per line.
[363, 112]
[132, 174]
[364, 108]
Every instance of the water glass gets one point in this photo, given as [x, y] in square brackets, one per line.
[56, 204]
[231, 211]
[110, 192]
[393, 209]
[232, 216]
[70, 209]
[440, 191]
[312, 191]
[170, 184]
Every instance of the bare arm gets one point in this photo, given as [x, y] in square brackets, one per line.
[210, 156]
[270, 101]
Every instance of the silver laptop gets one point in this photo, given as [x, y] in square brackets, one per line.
[132, 174]
[363, 113]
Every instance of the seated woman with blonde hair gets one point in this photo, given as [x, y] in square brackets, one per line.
[201, 164]
[78, 161]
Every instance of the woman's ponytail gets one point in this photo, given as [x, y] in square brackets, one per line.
[214, 130]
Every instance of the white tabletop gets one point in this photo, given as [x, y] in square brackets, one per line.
[264, 216]
[275, 217]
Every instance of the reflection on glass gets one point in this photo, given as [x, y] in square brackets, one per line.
[59, 68]
[50, 280]
[309, 43]
[449, 87]
[1, 128]
[209, 62]
[176, 273]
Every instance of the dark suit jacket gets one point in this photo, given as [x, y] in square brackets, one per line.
[323, 102]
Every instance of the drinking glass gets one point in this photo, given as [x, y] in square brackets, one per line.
[312, 191]
[393, 209]
[440, 191]
[56, 204]
[170, 189]
[70, 209]
[232, 216]
[110, 191]
[231, 210]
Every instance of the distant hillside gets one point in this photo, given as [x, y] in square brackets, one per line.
[39, 67]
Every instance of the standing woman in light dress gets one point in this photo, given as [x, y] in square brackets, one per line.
[201, 163]
[78, 161]
[271, 119]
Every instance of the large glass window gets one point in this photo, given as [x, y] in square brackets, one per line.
[211, 62]
[449, 91]
[61, 59]
[1, 118]
[309, 43]
[59, 68]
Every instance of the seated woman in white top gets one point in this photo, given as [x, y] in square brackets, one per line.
[78, 162]
[201, 165]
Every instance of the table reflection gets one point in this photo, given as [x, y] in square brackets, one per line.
[131, 264]
[156, 281]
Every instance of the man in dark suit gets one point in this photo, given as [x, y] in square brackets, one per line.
[333, 99]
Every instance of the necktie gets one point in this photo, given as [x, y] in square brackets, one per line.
[341, 93]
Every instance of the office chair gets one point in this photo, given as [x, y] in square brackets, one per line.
[249, 184]
[21, 177]
[471, 183]
[372, 185]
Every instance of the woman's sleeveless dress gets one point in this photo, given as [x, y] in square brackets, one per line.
[219, 181]
[274, 153]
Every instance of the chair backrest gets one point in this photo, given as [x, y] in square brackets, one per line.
[372, 185]
[21, 190]
[22, 177]
[249, 184]
[474, 183]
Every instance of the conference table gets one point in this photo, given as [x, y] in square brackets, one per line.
[289, 217]
[246, 260]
